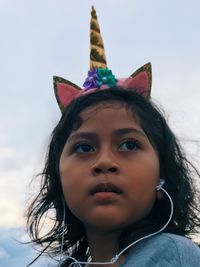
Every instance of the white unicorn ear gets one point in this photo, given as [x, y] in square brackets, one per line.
[65, 91]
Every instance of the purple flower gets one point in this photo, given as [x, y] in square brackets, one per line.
[92, 80]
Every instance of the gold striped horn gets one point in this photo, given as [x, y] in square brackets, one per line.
[97, 53]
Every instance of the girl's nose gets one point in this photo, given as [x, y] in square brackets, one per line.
[103, 170]
[105, 165]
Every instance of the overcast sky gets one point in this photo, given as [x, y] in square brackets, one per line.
[39, 39]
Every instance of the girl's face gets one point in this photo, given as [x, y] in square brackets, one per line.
[109, 170]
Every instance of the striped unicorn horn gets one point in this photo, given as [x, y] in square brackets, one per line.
[97, 53]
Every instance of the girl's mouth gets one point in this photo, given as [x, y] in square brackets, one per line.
[105, 189]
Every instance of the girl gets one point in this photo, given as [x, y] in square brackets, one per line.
[116, 178]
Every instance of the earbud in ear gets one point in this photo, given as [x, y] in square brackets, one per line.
[161, 183]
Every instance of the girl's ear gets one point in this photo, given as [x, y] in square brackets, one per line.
[159, 195]
[141, 80]
[65, 91]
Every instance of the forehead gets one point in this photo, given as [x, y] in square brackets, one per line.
[110, 114]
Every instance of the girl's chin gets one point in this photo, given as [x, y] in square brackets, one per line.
[107, 225]
[109, 218]
[103, 228]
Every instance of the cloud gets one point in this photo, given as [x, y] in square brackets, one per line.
[12, 212]
[15, 254]
[6, 152]
[3, 254]
[13, 185]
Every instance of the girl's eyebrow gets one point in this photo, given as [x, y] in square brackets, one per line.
[118, 132]
[84, 135]
[124, 131]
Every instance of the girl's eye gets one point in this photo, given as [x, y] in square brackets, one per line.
[129, 145]
[83, 148]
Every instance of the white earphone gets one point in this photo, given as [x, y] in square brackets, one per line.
[161, 183]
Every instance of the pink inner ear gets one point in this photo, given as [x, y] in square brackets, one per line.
[66, 93]
[140, 82]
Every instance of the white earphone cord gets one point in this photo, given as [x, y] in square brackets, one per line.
[77, 263]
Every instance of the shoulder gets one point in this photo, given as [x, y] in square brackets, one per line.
[187, 251]
[164, 250]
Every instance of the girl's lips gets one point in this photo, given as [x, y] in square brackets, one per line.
[105, 197]
[105, 189]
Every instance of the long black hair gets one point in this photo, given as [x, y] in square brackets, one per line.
[177, 171]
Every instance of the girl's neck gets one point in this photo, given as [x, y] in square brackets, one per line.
[103, 246]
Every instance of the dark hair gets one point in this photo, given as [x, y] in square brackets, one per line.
[177, 171]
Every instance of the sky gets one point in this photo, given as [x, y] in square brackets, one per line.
[39, 39]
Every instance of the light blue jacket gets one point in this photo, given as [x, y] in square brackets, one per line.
[164, 250]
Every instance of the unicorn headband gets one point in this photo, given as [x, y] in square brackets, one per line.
[99, 76]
